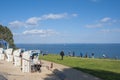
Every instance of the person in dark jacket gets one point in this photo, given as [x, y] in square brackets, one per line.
[62, 54]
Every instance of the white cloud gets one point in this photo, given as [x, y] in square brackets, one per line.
[74, 15]
[16, 24]
[40, 32]
[95, 0]
[110, 30]
[94, 26]
[106, 19]
[54, 16]
[105, 30]
[30, 22]
[33, 21]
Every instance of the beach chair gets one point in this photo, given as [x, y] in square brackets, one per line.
[26, 62]
[36, 65]
[17, 58]
[2, 56]
[9, 56]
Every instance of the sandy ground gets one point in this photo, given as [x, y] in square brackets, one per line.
[9, 72]
[59, 72]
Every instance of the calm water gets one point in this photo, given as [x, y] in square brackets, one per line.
[110, 50]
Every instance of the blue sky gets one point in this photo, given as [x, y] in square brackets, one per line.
[62, 21]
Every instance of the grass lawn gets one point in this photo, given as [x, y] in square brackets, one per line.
[105, 69]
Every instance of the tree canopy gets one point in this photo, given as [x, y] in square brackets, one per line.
[6, 34]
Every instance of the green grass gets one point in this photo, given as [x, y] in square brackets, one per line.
[105, 69]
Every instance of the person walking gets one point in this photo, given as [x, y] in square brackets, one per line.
[73, 54]
[93, 55]
[62, 54]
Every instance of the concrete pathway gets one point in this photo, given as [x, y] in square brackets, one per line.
[67, 73]
[59, 72]
[9, 72]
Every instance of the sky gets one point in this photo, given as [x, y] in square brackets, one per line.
[62, 21]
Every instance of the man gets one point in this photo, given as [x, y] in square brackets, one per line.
[62, 54]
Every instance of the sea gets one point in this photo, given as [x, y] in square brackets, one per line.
[108, 50]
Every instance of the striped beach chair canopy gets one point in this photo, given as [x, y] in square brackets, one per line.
[4, 44]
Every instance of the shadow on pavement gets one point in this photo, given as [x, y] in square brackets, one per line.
[105, 75]
[2, 77]
[68, 74]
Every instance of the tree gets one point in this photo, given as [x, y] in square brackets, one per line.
[6, 34]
